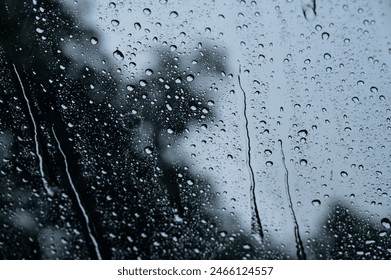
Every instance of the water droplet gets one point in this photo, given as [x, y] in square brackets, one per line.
[148, 150]
[115, 22]
[386, 223]
[147, 11]
[247, 247]
[130, 88]
[149, 72]
[327, 56]
[137, 26]
[178, 80]
[268, 152]
[112, 5]
[118, 55]
[382, 97]
[316, 202]
[302, 133]
[174, 14]
[39, 30]
[303, 162]
[374, 89]
[307, 61]
[189, 78]
[344, 174]
[325, 35]
[355, 99]
[143, 83]
[173, 48]
[190, 182]
[94, 40]
[269, 163]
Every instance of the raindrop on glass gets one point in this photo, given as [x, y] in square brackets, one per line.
[118, 55]
[386, 223]
[147, 11]
[94, 40]
[316, 202]
[174, 14]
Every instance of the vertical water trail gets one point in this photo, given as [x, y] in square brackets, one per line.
[40, 159]
[309, 9]
[256, 225]
[80, 204]
[299, 244]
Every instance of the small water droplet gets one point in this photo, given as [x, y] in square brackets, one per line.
[143, 83]
[39, 30]
[302, 133]
[137, 26]
[344, 174]
[130, 88]
[316, 202]
[147, 11]
[118, 55]
[268, 152]
[247, 247]
[386, 223]
[327, 56]
[325, 36]
[355, 99]
[303, 162]
[115, 22]
[269, 163]
[149, 72]
[112, 5]
[174, 14]
[94, 40]
[148, 150]
[189, 78]
[374, 89]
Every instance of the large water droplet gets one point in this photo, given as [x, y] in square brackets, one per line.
[118, 55]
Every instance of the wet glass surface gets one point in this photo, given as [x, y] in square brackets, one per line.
[200, 130]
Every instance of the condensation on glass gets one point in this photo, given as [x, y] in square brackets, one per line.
[200, 130]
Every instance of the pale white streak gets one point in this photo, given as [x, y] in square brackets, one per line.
[40, 159]
[82, 209]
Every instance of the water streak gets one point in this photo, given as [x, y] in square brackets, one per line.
[40, 159]
[299, 244]
[80, 204]
[256, 225]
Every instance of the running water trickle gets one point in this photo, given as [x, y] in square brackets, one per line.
[299, 243]
[40, 159]
[80, 204]
[256, 225]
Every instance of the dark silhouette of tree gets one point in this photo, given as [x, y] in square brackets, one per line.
[347, 236]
